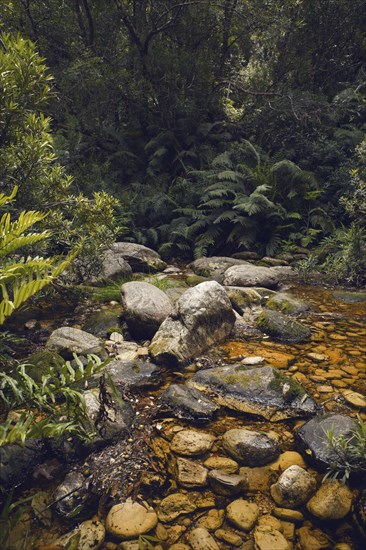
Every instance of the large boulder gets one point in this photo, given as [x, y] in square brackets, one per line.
[281, 327]
[203, 317]
[215, 267]
[139, 257]
[114, 266]
[313, 441]
[68, 340]
[145, 307]
[251, 275]
[263, 391]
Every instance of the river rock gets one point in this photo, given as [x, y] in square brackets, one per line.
[333, 500]
[139, 257]
[227, 484]
[251, 275]
[68, 340]
[116, 420]
[89, 535]
[293, 488]
[130, 519]
[214, 267]
[263, 391]
[133, 374]
[243, 514]
[285, 303]
[241, 298]
[266, 537]
[313, 442]
[191, 474]
[313, 539]
[187, 404]
[190, 443]
[145, 307]
[203, 317]
[200, 539]
[222, 463]
[103, 322]
[173, 506]
[350, 297]
[18, 461]
[250, 448]
[230, 537]
[355, 399]
[280, 327]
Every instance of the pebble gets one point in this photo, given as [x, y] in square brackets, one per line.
[227, 484]
[286, 514]
[333, 500]
[267, 538]
[225, 465]
[293, 488]
[173, 506]
[313, 539]
[243, 514]
[191, 474]
[130, 519]
[317, 357]
[200, 539]
[250, 448]
[287, 459]
[91, 533]
[191, 443]
[229, 537]
[355, 399]
[212, 520]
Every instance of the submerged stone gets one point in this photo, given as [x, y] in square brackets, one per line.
[285, 303]
[350, 297]
[282, 328]
[249, 447]
[263, 391]
[187, 404]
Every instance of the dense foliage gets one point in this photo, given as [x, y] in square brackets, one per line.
[158, 102]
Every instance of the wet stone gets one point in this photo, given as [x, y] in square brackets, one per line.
[212, 520]
[266, 538]
[258, 479]
[243, 514]
[231, 538]
[173, 506]
[311, 539]
[188, 404]
[130, 519]
[191, 474]
[355, 399]
[200, 539]
[286, 514]
[225, 465]
[250, 448]
[190, 443]
[333, 500]
[227, 484]
[88, 536]
[293, 488]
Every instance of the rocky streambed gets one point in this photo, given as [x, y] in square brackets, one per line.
[216, 437]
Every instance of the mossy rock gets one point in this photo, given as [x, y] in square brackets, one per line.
[40, 363]
[104, 322]
[280, 327]
[242, 298]
[193, 280]
[287, 304]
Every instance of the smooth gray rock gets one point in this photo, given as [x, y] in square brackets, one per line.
[214, 267]
[251, 275]
[68, 340]
[263, 391]
[250, 448]
[282, 328]
[114, 266]
[313, 442]
[203, 317]
[145, 307]
[139, 257]
[188, 404]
